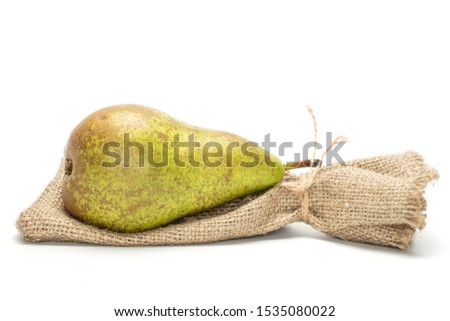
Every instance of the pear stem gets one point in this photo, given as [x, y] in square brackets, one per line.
[302, 164]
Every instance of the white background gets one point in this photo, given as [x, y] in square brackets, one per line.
[378, 73]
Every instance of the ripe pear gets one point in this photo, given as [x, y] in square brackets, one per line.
[125, 172]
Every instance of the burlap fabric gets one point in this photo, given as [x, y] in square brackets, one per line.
[376, 200]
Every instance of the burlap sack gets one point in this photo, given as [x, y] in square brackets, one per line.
[376, 200]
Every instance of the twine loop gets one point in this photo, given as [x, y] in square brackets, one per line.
[302, 183]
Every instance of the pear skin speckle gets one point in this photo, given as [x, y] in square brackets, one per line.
[139, 198]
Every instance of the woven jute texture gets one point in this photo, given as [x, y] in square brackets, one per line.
[376, 200]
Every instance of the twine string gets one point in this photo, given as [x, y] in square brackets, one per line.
[302, 183]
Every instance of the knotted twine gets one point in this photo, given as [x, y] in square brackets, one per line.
[302, 184]
[377, 200]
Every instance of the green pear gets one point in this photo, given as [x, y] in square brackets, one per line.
[132, 168]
